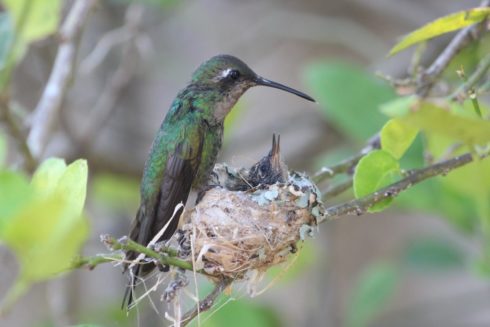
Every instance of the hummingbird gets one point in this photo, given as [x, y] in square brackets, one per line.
[185, 149]
[270, 169]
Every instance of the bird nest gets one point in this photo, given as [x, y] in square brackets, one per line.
[232, 232]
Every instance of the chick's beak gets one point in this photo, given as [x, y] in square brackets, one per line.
[276, 152]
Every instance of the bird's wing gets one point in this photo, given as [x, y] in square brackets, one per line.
[180, 170]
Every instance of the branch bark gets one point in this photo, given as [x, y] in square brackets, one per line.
[361, 205]
[428, 78]
[18, 134]
[207, 303]
[49, 105]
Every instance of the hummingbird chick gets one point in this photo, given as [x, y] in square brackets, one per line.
[270, 169]
[185, 149]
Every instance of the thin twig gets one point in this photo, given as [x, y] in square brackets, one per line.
[428, 78]
[48, 107]
[207, 302]
[361, 205]
[474, 78]
[348, 165]
[127, 244]
[328, 172]
[106, 103]
[335, 190]
[94, 261]
[17, 133]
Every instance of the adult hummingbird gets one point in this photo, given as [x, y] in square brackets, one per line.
[185, 148]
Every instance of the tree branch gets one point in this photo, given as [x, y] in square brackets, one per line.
[361, 205]
[114, 87]
[207, 302]
[474, 78]
[428, 78]
[48, 107]
[94, 261]
[16, 131]
[335, 190]
[127, 244]
[348, 165]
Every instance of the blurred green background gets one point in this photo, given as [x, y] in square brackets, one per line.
[416, 264]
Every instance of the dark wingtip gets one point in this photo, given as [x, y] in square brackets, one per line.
[128, 295]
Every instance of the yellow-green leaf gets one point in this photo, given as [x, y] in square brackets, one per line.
[441, 26]
[399, 106]
[6, 37]
[397, 136]
[15, 193]
[116, 191]
[39, 18]
[47, 176]
[451, 121]
[47, 231]
[375, 170]
[3, 150]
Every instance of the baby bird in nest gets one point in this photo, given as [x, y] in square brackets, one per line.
[270, 169]
[267, 171]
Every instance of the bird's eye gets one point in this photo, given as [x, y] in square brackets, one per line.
[234, 74]
[263, 169]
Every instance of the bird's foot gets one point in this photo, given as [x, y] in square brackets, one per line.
[180, 281]
[184, 244]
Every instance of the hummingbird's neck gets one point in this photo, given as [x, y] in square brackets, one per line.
[216, 104]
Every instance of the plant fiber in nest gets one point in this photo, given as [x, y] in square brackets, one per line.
[236, 232]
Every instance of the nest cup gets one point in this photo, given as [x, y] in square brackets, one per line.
[236, 232]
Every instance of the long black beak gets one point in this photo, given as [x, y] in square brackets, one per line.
[265, 82]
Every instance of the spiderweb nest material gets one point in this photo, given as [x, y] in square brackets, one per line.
[234, 232]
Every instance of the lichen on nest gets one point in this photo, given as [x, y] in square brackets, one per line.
[236, 229]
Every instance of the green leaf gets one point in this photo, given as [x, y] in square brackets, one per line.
[433, 254]
[47, 176]
[240, 313]
[398, 107]
[41, 17]
[441, 26]
[48, 231]
[376, 170]
[15, 192]
[162, 4]
[6, 37]
[349, 97]
[374, 288]
[116, 191]
[447, 119]
[3, 148]
[457, 197]
[397, 136]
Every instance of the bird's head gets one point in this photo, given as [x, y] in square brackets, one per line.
[229, 78]
[270, 169]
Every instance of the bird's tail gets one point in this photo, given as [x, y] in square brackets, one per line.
[133, 275]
